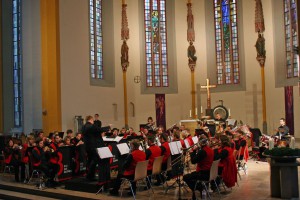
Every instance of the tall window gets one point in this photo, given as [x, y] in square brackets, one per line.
[17, 63]
[291, 37]
[156, 43]
[96, 53]
[226, 31]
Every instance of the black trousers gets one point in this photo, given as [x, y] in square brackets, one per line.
[17, 165]
[103, 166]
[119, 181]
[193, 177]
[49, 169]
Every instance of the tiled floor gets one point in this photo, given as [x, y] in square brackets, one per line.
[253, 186]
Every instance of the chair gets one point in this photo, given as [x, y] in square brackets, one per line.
[213, 174]
[156, 169]
[139, 174]
[241, 163]
[36, 172]
[7, 166]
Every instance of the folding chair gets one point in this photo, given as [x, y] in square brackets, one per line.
[213, 174]
[241, 162]
[37, 173]
[139, 174]
[7, 166]
[156, 169]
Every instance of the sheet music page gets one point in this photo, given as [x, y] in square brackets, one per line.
[179, 146]
[141, 148]
[104, 152]
[118, 139]
[195, 139]
[123, 148]
[107, 139]
[187, 144]
[174, 148]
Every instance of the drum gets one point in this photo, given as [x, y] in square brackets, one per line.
[222, 111]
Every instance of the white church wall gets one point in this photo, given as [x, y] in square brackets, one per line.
[79, 98]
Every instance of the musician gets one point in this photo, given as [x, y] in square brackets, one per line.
[240, 143]
[187, 136]
[12, 155]
[176, 137]
[227, 167]
[25, 151]
[150, 123]
[219, 118]
[51, 137]
[39, 155]
[77, 140]
[204, 158]
[283, 129]
[97, 122]
[93, 140]
[131, 132]
[152, 152]
[123, 132]
[70, 133]
[67, 141]
[166, 152]
[130, 163]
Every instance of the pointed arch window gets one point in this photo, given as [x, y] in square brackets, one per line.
[156, 43]
[291, 37]
[226, 32]
[17, 63]
[96, 42]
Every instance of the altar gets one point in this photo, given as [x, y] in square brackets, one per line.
[191, 124]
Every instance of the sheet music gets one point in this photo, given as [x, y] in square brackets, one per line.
[123, 148]
[175, 147]
[104, 152]
[187, 144]
[141, 148]
[118, 139]
[231, 121]
[195, 139]
[108, 139]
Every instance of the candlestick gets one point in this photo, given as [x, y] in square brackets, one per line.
[201, 109]
[271, 143]
[196, 111]
[229, 114]
[190, 113]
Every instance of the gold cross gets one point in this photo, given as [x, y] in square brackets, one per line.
[207, 87]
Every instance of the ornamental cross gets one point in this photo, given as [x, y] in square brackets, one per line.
[207, 87]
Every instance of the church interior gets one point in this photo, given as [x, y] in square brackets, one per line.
[182, 63]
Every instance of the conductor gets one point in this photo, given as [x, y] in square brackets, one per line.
[93, 139]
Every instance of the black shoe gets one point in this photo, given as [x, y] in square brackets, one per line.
[91, 179]
[157, 183]
[114, 192]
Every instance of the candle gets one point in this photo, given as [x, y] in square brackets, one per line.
[292, 145]
[190, 113]
[196, 111]
[201, 109]
[229, 112]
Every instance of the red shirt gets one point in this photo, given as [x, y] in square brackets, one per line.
[206, 163]
[137, 156]
[155, 152]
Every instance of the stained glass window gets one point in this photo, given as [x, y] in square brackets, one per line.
[156, 43]
[227, 55]
[17, 63]
[291, 37]
[96, 53]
